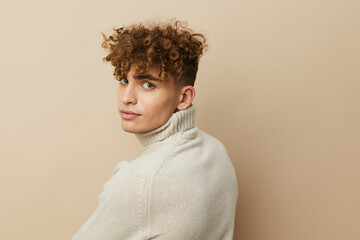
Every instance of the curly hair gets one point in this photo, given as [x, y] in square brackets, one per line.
[174, 48]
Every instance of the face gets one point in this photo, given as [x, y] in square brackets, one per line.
[146, 102]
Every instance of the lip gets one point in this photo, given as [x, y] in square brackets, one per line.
[128, 115]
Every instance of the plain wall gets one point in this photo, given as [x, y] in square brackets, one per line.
[279, 86]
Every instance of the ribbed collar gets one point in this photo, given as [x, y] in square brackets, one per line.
[179, 121]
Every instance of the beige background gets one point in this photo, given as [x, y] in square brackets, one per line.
[279, 87]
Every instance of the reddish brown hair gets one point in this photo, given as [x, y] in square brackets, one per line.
[174, 48]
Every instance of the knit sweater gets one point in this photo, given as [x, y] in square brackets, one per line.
[182, 187]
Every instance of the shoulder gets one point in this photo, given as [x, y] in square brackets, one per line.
[197, 181]
[202, 157]
[212, 142]
[202, 147]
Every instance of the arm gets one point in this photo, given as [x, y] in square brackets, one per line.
[121, 210]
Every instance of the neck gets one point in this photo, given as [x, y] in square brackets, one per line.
[179, 121]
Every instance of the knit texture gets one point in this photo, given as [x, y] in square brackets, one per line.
[182, 187]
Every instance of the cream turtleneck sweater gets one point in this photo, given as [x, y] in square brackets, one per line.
[182, 187]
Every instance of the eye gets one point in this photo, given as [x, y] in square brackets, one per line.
[148, 85]
[124, 81]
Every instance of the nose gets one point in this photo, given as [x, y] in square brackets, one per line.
[129, 95]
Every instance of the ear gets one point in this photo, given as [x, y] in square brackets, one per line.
[187, 94]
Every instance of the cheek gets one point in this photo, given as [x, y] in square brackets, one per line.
[161, 106]
[118, 93]
[167, 106]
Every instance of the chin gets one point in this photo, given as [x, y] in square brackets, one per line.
[133, 128]
[131, 131]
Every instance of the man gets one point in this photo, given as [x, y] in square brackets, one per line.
[183, 186]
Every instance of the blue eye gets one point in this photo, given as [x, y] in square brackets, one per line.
[148, 86]
[124, 81]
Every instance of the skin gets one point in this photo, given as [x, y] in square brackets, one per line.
[146, 103]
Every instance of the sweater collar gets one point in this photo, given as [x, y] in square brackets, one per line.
[179, 121]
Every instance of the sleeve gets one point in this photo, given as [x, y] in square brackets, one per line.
[176, 210]
[121, 210]
[193, 201]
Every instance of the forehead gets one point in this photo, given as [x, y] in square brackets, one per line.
[152, 73]
[153, 70]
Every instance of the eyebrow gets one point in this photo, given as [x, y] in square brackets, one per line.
[145, 76]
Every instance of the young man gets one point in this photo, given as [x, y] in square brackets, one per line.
[183, 186]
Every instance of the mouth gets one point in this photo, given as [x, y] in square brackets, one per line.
[128, 115]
